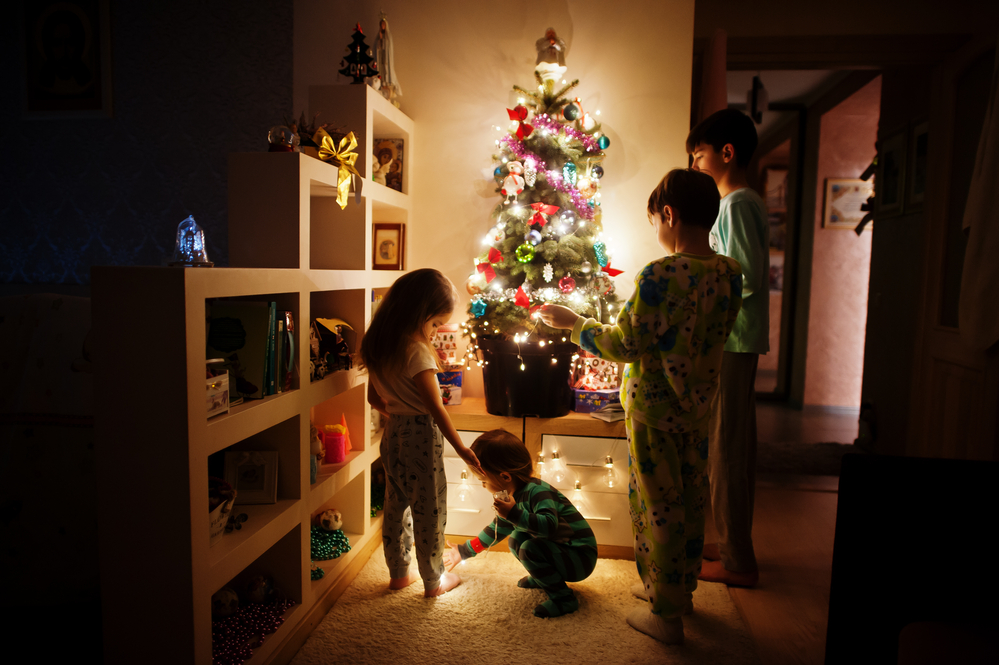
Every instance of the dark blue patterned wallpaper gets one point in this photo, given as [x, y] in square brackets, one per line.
[192, 82]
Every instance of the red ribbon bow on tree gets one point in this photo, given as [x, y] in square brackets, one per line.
[486, 267]
[519, 113]
[540, 212]
[521, 298]
[613, 272]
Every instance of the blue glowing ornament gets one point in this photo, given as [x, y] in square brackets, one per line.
[479, 308]
[525, 253]
[569, 173]
[600, 249]
[189, 249]
[533, 237]
[597, 172]
[603, 142]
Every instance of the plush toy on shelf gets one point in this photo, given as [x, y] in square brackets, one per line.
[328, 538]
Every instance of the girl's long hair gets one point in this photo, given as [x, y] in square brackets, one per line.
[411, 301]
[499, 451]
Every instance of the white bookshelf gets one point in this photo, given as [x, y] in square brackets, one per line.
[289, 242]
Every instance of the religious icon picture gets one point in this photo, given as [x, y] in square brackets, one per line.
[389, 246]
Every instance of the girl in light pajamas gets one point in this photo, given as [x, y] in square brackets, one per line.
[402, 367]
[671, 332]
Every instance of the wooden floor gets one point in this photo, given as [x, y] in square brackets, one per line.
[793, 529]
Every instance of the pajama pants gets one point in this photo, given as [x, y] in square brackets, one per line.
[667, 493]
[732, 455]
[412, 451]
[553, 564]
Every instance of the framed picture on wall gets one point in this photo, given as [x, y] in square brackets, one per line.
[775, 186]
[844, 196]
[389, 246]
[890, 182]
[253, 474]
[67, 59]
[916, 191]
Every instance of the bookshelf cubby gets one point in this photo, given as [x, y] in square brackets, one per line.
[289, 242]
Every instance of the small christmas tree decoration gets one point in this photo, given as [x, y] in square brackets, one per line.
[600, 249]
[533, 237]
[359, 63]
[518, 115]
[514, 183]
[478, 308]
[541, 212]
[525, 253]
[548, 273]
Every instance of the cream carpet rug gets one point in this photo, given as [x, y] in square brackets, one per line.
[488, 619]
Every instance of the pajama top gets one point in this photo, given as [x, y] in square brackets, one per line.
[742, 232]
[540, 511]
[672, 333]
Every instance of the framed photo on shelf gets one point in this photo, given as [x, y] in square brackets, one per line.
[253, 474]
[389, 246]
[916, 191]
[844, 196]
[67, 59]
[890, 183]
[386, 167]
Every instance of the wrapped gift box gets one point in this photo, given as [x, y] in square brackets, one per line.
[588, 401]
[446, 343]
[450, 383]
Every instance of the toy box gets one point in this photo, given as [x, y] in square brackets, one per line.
[588, 401]
[450, 383]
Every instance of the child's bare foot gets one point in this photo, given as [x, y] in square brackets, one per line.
[396, 583]
[711, 552]
[714, 571]
[448, 582]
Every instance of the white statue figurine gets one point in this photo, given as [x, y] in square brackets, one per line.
[384, 55]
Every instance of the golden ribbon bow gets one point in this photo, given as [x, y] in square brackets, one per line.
[343, 156]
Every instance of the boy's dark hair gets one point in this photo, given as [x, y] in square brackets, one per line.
[499, 451]
[693, 196]
[724, 127]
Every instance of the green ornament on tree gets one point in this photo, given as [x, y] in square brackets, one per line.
[525, 253]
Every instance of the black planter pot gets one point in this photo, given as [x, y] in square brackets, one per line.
[540, 389]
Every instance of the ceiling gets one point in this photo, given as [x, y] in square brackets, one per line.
[783, 87]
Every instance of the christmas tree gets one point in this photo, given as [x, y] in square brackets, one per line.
[545, 244]
[359, 62]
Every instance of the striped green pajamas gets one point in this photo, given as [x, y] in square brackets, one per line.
[549, 537]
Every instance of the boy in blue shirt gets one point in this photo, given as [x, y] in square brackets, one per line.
[721, 146]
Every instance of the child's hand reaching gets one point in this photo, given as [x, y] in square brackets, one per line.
[466, 454]
[451, 556]
[557, 316]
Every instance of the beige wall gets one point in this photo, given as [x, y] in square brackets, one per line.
[841, 260]
[457, 63]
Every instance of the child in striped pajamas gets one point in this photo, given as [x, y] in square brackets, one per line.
[671, 333]
[547, 534]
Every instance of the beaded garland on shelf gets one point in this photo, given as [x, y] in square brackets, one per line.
[328, 544]
[236, 636]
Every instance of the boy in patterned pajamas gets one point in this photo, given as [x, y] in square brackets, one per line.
[547, 534]
[671, 333]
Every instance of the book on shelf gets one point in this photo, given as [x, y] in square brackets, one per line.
[238, 332]
[279, 343]
[271, 348]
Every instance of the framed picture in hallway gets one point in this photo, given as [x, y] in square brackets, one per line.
[890, 179]
[844, 196]
[916, 190]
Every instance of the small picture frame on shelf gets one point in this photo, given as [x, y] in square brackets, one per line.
[890, 179]
[253, 474]
[387, 161]
[388, 246]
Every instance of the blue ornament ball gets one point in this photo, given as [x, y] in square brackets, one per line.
[533, 237]
[498, 172]
[570, 112]
[479, 308]
[603, 142]
[597, 172]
